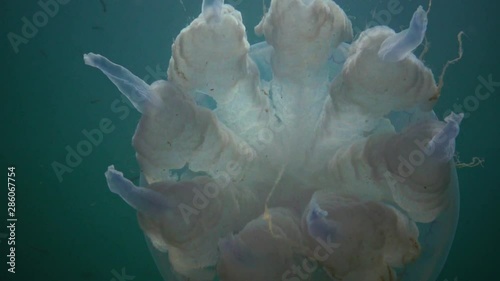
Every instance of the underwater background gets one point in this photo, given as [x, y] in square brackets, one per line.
[71, 227]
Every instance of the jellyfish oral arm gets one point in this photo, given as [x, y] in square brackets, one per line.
[400, 45]
[134, 88]
[139, 198]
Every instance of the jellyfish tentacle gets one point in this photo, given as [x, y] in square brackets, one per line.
[212, 9]
[317, 225]
[141, 199]
[135, 89]
[443, 143]
[398, 46]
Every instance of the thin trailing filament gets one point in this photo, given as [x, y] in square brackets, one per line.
[476, 161]
[448, 63]
[427, 46]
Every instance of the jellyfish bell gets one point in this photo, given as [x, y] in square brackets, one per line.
[302, 157]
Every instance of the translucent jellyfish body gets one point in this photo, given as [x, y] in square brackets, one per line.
[299, 158]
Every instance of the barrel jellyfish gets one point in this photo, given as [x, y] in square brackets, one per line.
[311, 155]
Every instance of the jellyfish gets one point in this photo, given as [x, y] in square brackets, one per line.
[308, 156]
